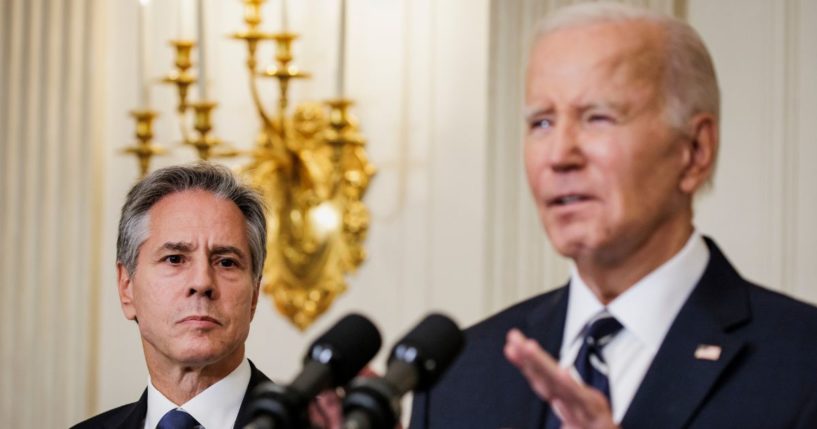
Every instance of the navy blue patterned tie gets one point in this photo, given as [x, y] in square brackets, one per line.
[590, 363]
[177, 419]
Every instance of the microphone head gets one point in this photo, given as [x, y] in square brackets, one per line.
[346, 347]
[430, 347]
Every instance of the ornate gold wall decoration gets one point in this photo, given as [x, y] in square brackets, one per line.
[310, 165]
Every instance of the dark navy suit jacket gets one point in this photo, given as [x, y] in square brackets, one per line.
[765, 378]
[132, 416]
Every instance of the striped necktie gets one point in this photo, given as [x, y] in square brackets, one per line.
[177, 419]
[590, 364]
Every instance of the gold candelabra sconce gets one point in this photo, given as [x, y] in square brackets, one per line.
[309, 163]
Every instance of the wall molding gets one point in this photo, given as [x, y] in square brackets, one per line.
[50, 210]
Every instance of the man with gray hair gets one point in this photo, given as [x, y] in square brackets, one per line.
[190, 254]
[655, 329]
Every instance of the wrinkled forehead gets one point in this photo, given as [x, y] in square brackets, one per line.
[179, 216]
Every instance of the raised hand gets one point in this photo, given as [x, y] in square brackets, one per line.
[578, 406]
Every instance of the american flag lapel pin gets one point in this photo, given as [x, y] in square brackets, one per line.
[708, 352]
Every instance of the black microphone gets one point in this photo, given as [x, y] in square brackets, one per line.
[332, 360]
[415, 363]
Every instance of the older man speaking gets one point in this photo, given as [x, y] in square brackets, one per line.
[655, 329]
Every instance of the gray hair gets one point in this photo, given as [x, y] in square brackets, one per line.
[690, 83]
[219, 180]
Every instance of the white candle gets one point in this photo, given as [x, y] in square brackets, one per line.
[185, 28]
[284, 16]
[202, 81]
[341, 51]
[143, 76]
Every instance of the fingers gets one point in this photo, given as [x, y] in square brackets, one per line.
[536, 368]
[539, 368]
[367, 371]
[578, 406]
[326, 411]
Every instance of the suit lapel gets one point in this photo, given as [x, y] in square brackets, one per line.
[135, 417]
[257, 377]
[546, 324]
[678, 381]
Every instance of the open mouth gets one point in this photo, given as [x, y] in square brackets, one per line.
[564, 200]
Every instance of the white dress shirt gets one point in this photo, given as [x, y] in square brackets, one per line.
[646, 311]
[214, 408]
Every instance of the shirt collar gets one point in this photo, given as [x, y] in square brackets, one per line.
[648, 308]
[582, 305]
[215, 407]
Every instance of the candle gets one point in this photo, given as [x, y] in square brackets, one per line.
[284, 17]
[341, 51]
[143, 79]
[202, 81]
[185, 29]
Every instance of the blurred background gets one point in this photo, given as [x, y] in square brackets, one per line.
[437, 87]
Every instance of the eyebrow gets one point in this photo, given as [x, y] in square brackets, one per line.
[179, 246]
[186, 247]
[609, 105]
[534, 112]
[223, 250]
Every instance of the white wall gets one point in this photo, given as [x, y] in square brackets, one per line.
[764, 203]
[50, 171]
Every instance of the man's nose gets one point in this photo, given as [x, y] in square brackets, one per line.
[565, 151]
[202, 280]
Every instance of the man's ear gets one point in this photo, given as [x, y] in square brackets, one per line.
[125, 285]
[255, 292]
[702, 151]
